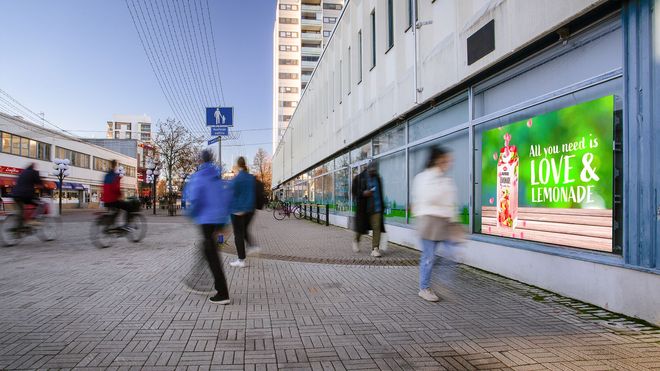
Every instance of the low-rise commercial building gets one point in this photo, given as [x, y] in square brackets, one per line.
[23, 142]
[548, 109]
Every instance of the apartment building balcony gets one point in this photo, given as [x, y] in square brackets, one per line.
[308, 65]
[312, 51]
[312, 36]
[312, 24]
[310, 8]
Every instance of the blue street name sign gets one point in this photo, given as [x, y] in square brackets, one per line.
[219, 116]
[219, 130]
[214, 140]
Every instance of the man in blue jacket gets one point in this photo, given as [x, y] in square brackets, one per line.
[209, 198]
[242, 209]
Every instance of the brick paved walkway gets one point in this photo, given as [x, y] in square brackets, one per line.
[69, 305]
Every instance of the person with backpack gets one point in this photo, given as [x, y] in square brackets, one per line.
[209, 197]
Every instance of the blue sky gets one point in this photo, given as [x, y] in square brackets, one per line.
[81, 61]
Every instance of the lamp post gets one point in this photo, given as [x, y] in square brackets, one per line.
[61, 167]
[152, 173]
[183, 175]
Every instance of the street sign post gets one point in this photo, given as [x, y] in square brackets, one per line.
[219, 116]
[219, 130]
[214, 140]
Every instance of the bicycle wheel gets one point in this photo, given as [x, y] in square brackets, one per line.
[100, 233]
[279, 213]
[9, 230]
[298, 212]
[138, 228]
[50, 228]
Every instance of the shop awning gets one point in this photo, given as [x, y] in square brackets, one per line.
[71, 186]
[50, 184]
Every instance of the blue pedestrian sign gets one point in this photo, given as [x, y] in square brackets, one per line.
[214, 140]
[219, 116]
[219, 130]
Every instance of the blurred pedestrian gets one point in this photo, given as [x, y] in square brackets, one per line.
[434, 207]
[242, 210]
[367, 190]
[24, 190]
[209, 199]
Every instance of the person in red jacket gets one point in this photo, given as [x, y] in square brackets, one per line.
[111, 196]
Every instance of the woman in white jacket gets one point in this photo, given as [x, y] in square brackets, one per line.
[434, 207]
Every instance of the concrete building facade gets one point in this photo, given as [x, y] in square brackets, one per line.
[547, 108]
[129, 127]
[302, 29]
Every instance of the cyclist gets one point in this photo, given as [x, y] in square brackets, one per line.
[23, 193]
[111, 196]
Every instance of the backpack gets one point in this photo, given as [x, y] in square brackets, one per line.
[260, 198]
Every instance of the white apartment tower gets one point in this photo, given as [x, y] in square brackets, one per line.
[302, 29]
[129, 127]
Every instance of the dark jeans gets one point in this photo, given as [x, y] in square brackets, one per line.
[213, 258]
[241, 234]
[20, 203]
[116, 207]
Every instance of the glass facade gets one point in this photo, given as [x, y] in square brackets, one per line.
[20, 146]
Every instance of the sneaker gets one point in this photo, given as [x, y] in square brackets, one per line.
[356, 247]
[428, 295]
[238, 263]
[217, 299]
[375, 253]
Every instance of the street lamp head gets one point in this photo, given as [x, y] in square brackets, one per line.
[66, 161]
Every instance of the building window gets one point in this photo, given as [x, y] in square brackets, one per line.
[21, 146]
[145, 136]
[101, 164]
[287, 75]
[289, 34]
[285, 117]
[359, 61]
[327, 33]
[390, 24]
[289, 62]
[288, 7]
[311, 45]
[348, 70]
[373, 38]
[285, 20]
[116, 135]
[310, 58]
[77, 159]
[288, 89]
[287, 103]
[329, 19]
[332, 6]
[128, 170]
[145, 127]
[289, 48]
[128, 135]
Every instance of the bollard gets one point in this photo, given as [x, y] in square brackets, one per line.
[318, 214]
[327, 215]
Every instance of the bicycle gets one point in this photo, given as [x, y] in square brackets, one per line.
[36, 220]
[105, 230]
[285, 210]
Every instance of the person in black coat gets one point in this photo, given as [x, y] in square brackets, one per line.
[367, 192]
[23, 192]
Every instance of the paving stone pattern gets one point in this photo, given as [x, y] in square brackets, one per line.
[68, 305]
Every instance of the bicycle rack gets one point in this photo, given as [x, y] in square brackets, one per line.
[310, 210]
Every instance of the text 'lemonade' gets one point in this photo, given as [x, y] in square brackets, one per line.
[507, 184]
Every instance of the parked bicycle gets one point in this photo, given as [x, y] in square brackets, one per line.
[36, 220]
[105, 230]
[285, 209]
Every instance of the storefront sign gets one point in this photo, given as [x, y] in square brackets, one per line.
[10, 170]
[550, 178]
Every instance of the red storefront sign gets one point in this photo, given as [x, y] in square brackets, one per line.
[10, 170]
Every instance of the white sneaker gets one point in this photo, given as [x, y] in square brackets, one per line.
[375, 253]
[238, 263]
[356, 247]
[428, 295]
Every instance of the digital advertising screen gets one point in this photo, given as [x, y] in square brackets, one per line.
[550, 178]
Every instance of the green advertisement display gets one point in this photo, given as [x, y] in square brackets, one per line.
[549, 178]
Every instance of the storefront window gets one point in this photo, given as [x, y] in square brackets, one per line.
[318, 190]
[443, 117]
[547, 174]
[362, 152]
[342, 190]
[342, 161]
[392, 169]
[390, 140]
[458, 144]
[328, 189]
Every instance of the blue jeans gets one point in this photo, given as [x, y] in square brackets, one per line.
[426, 263]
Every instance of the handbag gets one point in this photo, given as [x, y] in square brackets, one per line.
[456, 232]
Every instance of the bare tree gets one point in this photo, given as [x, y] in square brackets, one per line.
[263, 168]
[177, 148]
